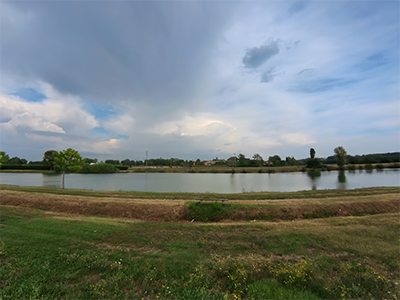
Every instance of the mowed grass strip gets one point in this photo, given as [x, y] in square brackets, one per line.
[312, 194]
[55, 256]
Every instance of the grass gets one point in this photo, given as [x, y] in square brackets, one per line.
[194, 196]
[185, 207]
[56, 256]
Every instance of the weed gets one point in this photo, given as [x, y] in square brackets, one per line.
[206, 212]
[315, 215]
[3, 248]
[270, 217]
[271, 289]
[359, 280]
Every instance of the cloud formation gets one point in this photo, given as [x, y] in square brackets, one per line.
[256, 56]
[268, 75]
[198, 79]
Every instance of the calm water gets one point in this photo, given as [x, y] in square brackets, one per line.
[212, 183]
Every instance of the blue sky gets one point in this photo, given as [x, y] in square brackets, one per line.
[199, 79]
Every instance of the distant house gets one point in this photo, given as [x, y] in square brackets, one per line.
[212, 162]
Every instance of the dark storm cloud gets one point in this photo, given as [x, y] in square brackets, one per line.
[256, 56]
[152, 53]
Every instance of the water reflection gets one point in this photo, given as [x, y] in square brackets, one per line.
[342, 179]
[314, 176]
[203, 183]
[51, 180]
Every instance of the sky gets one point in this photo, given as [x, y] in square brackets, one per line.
[199, 79]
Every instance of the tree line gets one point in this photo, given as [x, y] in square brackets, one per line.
[235, 161]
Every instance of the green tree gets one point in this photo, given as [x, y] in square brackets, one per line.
[127, 162]
[312, 153]
[313, 162]
[231, 162]
[68, 160]
[112, 161]
[90, 160]
[16, 161]
[275, 160]
[257, 157]
[291, 161]
[241, 160]
[199, 162]
[341, 156]
[48, 158]
[3, 157]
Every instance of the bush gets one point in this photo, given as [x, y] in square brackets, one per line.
[369, 167]
[206, 212]
[121, 167]
[98, 168]
[313, 163]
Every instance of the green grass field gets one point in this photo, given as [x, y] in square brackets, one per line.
[48, 255]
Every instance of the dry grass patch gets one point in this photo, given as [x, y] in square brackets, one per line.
[170, 210]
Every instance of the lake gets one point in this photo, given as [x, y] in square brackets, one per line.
[210, 183]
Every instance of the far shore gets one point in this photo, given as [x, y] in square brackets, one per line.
[226, 169]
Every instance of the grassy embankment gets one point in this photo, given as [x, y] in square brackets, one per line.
[59, 255]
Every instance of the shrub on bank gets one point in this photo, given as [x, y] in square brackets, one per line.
[206, 212]
[369, 167]
[24, 167]
[99, 168]
[121, 167]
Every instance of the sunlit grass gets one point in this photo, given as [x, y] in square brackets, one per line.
[56, 256]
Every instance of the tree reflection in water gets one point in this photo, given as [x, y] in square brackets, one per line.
[314, 176]
[342, 179]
